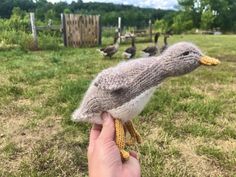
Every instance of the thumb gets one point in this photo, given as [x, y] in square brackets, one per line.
[108, 128]
[132, 167]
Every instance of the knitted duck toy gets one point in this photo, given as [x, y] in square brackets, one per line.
[125, 89]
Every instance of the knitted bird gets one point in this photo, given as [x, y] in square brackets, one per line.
[125, 89]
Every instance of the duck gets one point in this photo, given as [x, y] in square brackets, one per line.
[131, 51]
[152, 50]
[110, 50]
[165, 46]
[124, 90]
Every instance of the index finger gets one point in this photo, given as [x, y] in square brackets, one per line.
[94, 133]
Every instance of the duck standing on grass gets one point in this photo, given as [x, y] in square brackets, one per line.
[125, 89]
[152, 50]
[110, 50]
[131, 51]
[165, 46]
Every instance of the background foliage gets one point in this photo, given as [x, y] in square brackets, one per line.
[189, 14]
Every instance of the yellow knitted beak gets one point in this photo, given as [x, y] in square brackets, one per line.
[205, 60]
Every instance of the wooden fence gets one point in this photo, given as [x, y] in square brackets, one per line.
[78, 30]
[82, 30]
[137, 33]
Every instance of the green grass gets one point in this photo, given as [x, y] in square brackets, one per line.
[189, 125]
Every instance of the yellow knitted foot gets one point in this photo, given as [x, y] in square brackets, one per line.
[130, 142]
[124, 155]
[120, 139]
[133, 132]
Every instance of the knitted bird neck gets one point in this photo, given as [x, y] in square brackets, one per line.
[161, 68]
[154, 75]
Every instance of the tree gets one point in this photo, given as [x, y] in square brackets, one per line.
[207, 19]
[182, 23]
[211, 13]
[161, 25]
[19, 20]
[193, 9]
[6, 7]
[50, 15]
[66, 11]
[131, 16]
[42, 6]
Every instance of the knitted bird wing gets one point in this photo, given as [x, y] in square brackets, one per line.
[123, 75]
[111, 80]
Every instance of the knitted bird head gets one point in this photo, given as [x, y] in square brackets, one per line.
[185, 57]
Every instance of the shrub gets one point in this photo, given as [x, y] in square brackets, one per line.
[13, 39]
[49, 41]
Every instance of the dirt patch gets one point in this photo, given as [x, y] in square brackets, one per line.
[26, 139]
[4, 81]
[72, 77]
[190, 162]
[156, 134]
[180, 119]
[24, 102]
[213, 90]
[14, 120]
[45, 129]
[226, 145]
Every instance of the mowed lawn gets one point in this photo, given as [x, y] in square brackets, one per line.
[188, 128]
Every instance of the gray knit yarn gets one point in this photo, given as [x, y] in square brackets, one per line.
[115, 86]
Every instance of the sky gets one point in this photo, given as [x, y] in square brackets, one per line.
[162, 4]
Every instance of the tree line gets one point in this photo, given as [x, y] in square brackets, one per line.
[131, 16]
[207, 14]
[189, 14]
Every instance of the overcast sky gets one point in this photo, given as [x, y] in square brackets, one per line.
[163, 4]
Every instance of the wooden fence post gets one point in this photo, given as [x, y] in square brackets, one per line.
[34, 30]
[150, 30]
[99, 31]
[63, 27]
[119, 28]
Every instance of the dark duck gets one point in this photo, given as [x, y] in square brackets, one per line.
[131, 51]
[110, 50]
[165, 46]
[152, 50]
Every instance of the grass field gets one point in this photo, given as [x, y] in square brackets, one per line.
[189, 126]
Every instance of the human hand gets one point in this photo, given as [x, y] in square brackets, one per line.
[104, 158]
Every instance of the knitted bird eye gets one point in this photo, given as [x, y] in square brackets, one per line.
[118, 91]
[185, 53]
